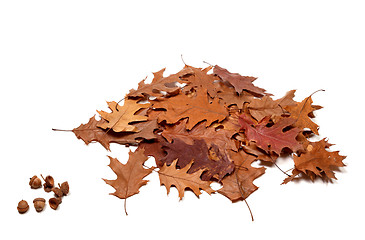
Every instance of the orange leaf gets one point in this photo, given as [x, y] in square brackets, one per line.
[196, 109]
[90, 132]
[129, 176]
[301, 113]
[317, 161]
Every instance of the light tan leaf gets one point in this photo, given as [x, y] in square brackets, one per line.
[121, 116]
[171, 176]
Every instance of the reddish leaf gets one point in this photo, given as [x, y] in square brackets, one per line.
[220, 137]
[239, 82]
[199, 153]
[271, 138]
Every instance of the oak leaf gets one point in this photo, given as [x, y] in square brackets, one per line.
[121, 116]
[302, 113]
[228, 95]
[199, 78]
[201, 155]
[171, 176]
[196, 109]
[317, 161]
[252, 149]
[230, 123]
[266, 106]
[90, 132]
[239, 185]
[160, 86]
[219, 137]
[154, 149]
[271, 138]
[239, 82]
[129, 176]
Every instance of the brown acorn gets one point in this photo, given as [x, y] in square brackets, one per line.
[39, 204]
[64, 188]
[49, 183]
[23, 206]
[35, 182]
[54, 202]
[57, 192]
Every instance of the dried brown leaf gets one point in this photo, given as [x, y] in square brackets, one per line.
[172, 176]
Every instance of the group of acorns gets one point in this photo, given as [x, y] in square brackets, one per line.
[39, 203]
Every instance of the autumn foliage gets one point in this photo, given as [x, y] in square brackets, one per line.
[203, 126]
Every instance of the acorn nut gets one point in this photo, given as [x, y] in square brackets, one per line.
[35, 182]
[23, 206]
[39, 204]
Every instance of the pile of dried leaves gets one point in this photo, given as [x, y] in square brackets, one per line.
[202, 127]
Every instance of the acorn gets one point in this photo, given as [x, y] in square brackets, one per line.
[54, 202]
[35, 182]
[57, 192]
[65, 188]
[23, 206]
[49, 183]
[39, 204]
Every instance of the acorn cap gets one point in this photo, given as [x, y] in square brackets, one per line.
[54, 202]
[49, 181]
[23, 206]
[39, 200]
[65, 188]
[57, 192]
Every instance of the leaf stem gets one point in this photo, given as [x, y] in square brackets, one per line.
[55, 129]
[116, 107]
[125, 206]
[282, 170]
[208, 63]
[241, 190]
[249, 209]
[272, 160]
[182, 59]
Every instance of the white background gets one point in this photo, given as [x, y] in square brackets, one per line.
[60, 61]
